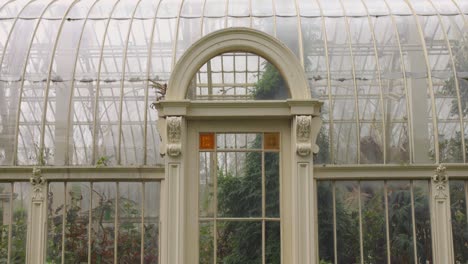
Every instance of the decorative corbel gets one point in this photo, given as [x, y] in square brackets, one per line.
[38, 184]
[174, 135]
[307, 129]
[440, 181]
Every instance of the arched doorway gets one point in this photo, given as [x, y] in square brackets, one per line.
[194, 131]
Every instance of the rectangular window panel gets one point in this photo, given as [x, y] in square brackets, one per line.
[121, 218]
[5, 219]
[458, 200]
[21, 203]
[376, 221]
[239, 199]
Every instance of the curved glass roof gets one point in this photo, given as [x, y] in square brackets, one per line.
[74, 75]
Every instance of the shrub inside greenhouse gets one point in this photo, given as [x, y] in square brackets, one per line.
[235, 132]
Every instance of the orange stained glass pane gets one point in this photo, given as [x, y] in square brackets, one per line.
[207, 140]
[271, 141]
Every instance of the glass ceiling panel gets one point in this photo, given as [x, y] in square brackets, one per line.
[285, 8]
[147, 9]
[81, 9]
[309, 8]
[354, 8]
[463, 5]
[169, 9]
[399, 7]
[192, 8]
[331, 8]
[262, 8]
[11, 9]
[57, 9]
[35, 9]
[445, 7]
[215, 8]
[422, 7]
[102, 9]
[376, 7]
[239, 8]
[125, 9]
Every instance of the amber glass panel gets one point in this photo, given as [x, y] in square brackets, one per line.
[207, 141]
[271, 141]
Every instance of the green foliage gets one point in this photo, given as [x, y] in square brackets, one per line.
[271, 85]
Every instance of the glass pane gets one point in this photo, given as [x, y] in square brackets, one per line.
[239, 184]
[459, 220]
[239, 242]
[206, 243]
[423, 221]
[238, 76]
[400, 222]
[5, 219]
[272, 242]
[347, 222]
[271, 141]
[103, 222]
[77, 222]
[130, 205]
[325, 221]
[55, 210]
[373, 222]
[206, 189]
[272, 185]
[21, 202]
[151, 223]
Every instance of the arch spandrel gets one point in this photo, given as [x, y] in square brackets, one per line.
[243, 40]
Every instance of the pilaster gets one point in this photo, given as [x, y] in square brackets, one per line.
[441, 218]
[173, 206]
[304, 133]
[37, 231]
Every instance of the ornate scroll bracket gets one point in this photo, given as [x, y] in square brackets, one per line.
[38, 184]
[174, 135]
[440, 181]
[307, 129]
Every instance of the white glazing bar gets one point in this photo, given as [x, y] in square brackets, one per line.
[405, 83]
[10, 224]
[116, 223]
[361, 243]
[379, 78]
[72, 88]
[387, 224]
[330, 97]
[263, 202]
[299, 34]
[142, 228]
[335, 247]
[353, 70]
[413, 221]
[90, 220]
[48, 81]
[64, 219]
[148, 70]
[122, 84]
[98, 85]
[431, 88]
[176, 38]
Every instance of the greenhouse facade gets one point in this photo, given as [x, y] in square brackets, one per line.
[242, 131]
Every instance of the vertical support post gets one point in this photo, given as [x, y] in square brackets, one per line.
[36, 239]
[441, 218]
[304, 133]
[173, 205]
